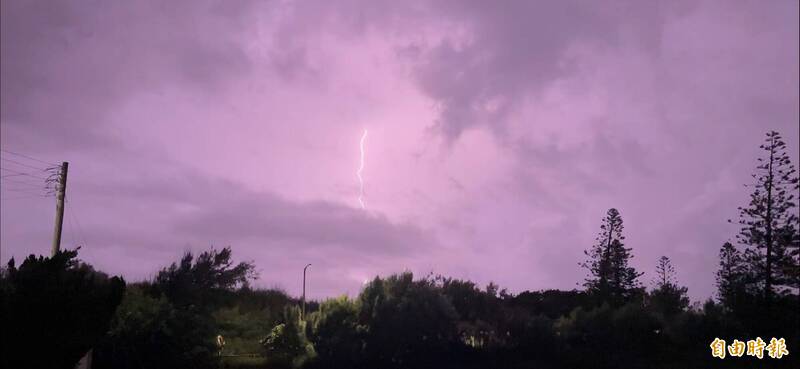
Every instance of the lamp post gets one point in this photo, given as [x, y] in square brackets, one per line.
[303, 314]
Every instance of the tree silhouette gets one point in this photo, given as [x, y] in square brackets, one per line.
[730, 278]
[54, 310]
[411, 324]
[667, 297]
[665, 273]
[769, 221]
[611, 278]
[203, 281]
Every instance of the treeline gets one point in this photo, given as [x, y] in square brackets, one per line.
[56, 309]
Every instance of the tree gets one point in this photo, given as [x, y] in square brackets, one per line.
[667, 297]
[730, 277]
[149, 332]
[411, 324]
[202, 282]
[551, 303]
[624, 282]
[606, 337]
[665, 273]
[478, 310]
[171, 319]
[611, 278]
[338, 337]
[53, 310]
[769, 221]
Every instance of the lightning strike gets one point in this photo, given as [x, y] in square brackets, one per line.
[361, 169]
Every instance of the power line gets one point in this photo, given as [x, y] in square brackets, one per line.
[24, 197]
[32, 191]
[29, 157]
[22, 191]
[74, 214]
[22, 181]
[38, 185]
[21, 173]
[71, 229]
[12, 175]
[4, 188]
[79, 239]
[23, 164]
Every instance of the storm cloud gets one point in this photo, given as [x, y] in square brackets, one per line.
[498, 134]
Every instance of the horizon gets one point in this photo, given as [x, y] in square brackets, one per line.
[498, 137]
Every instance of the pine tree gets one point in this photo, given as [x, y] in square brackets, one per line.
[731, 287]
[624, 281]
[665, 273]
[667, 296]
[769, 222]
[610, 277]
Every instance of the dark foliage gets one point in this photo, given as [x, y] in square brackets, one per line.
[667, 297]
[550, 303]
[287, 346]
[410, 323]
[204, 282]
[337, 334]
[54, 310]
[149, 332]
[170, 323]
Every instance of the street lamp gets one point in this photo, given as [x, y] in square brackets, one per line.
[303, 315]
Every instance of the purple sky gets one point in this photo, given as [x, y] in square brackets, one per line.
[498, 135]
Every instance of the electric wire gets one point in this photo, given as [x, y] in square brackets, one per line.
[22, 173]
[23, 164]
[28, 157]
[74, 214]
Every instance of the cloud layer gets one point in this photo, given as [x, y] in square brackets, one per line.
[499, 135]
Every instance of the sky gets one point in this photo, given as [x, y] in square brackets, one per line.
[498, 133]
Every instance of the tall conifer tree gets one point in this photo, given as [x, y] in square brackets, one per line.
[769, 221]
[610, 278]
[667, 296]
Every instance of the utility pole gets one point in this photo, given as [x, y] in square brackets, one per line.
[303, 313]
[61, 191]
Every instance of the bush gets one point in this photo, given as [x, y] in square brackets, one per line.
[54, 310]
[169, 323]
[337, 335]
[149, 332]
[286, 346]
[411, 324]
[610, 338]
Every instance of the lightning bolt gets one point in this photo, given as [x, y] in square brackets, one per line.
[361, 169]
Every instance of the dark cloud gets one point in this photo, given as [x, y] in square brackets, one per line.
[518, 48]
[66, 64]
